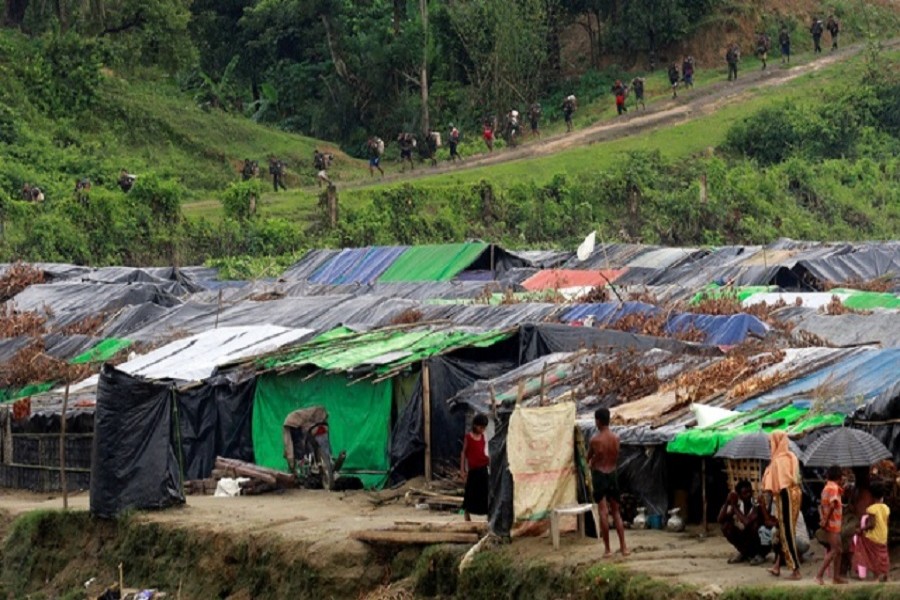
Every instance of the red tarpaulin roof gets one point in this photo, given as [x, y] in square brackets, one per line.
[551, 279]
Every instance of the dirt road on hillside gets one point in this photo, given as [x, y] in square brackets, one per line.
[689, 105]
[320, 522]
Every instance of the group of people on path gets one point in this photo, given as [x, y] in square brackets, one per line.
[854, 533]
[763, 44]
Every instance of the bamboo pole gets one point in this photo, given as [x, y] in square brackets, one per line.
[62, 449]
[703, 475]
[426, 413]
[543, 379]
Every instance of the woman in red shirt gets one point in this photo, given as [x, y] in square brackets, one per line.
[830, 513]
[488, 135]
[473, 469]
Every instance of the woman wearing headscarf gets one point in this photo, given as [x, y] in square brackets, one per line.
[782, 479]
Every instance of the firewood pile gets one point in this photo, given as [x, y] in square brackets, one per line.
[261, 479]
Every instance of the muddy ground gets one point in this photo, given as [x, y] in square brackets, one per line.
[321, 522]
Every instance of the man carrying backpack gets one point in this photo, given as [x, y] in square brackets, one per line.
[453, 142]
[407, 142]
[762, 48]
[816, 30]
[375, 149]
[276, 170]
[673, 79]
[834, 28]
[732, 57]
[784, 39]
[534, 117]
[637, 84]
[250, 169]
[570, 105]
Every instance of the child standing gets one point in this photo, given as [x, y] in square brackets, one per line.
[473, 469]
[831, 513]
[871, 544]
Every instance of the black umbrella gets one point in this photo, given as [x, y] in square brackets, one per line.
[751, 445]
[845, 447]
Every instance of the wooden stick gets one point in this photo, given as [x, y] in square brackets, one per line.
[493, 400]
[543, 378]
[703, 475]
[426, 412]
[62, 449]
[374, 536]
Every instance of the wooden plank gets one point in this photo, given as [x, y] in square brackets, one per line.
[479, 527]
[376, 536]
[426, 411]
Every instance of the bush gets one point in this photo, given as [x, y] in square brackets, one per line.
[240, 199]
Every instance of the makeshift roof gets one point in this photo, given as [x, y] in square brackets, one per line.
[437, 262]
[715, 290]
[357, 265]
[382, 350]
[706, 441]
[549, 279]
[102, 352]
[842, 386]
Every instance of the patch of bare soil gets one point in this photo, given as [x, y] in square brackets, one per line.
[322, 521]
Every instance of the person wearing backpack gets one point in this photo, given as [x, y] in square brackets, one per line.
[453, 141]
[834, 28]
[674, 76]
[619, 90]
[407, 143]
[534, 117]
[816, 30]
[762, 48]
[784, 39]
[732, 57]
[375, 150]
[570, 104]
[637, 84]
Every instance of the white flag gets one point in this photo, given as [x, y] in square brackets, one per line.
[587, 246]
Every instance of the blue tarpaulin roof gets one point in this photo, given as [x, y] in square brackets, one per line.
[844, 385]
[720, 330]
[357, 265]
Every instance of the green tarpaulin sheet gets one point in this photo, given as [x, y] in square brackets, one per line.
[387, 349]
[714, 290]
[859, 300]
[359, 420]
[437, 262]
[24, 392]
[102, 352]
[706, 441]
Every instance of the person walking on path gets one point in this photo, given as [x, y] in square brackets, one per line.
[782, 479]
[453, 142]
[570, 104]
[834, 28]
[762, 48]
[375, 150]
[603, 458]
[620, 90]
[473, 469]
[732, 57]
[687, 72]
[816, 30]
[674, 76]
[637, 85]
[784, 39]
[830, 511]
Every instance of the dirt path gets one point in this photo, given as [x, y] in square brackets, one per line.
[323, 521]
[689, 105]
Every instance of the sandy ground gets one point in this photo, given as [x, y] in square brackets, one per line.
[323, 521]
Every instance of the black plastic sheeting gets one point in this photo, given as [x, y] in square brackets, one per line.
[214, 420]
[133, 464]
[536, 341]
[501, 512]
[447, 377]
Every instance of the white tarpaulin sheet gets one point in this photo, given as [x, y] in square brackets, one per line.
[541, 454]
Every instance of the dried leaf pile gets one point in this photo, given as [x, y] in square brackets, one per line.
[623, 380]
[407, 317]
[655, 325]
[18, 277]
[31, 364]
[879, 284]
[695, 386]
[14, 323]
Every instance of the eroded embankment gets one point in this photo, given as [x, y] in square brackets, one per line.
[51, 554]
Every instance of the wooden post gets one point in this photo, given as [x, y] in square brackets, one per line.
[121, 580]
[218, 310]
[492, 260]
[493, 400]
[703, 488]
[62, 449]
[426, 413]
[543, 377]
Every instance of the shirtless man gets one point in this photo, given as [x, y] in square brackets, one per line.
[603, 456]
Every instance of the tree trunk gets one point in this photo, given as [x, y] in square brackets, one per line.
[399, 15]
[423, 76]
[14, 12]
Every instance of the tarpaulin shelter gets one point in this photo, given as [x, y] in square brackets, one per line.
[561, 279]
[134, 463]
[436, 262]
[357, 379]
[357, 265]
